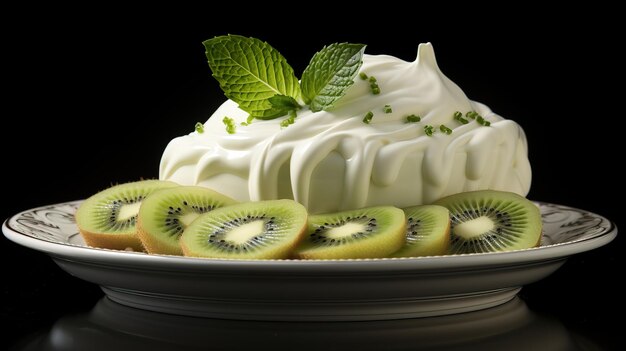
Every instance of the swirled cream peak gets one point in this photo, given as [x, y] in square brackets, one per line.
[332, 160]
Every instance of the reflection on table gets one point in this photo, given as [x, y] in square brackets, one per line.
[111, 326]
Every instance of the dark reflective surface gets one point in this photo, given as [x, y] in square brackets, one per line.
[111, 326]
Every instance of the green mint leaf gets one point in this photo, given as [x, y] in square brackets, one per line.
[281, 105]
[250, 72]
[330, 73]
[282, 101]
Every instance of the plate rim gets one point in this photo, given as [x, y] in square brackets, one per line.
[459, 262]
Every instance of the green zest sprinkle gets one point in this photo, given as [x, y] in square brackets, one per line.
[471, 114]
[290, 120]
[230, 125]
[429, 130]
[479, 119]
[387, 109]
[248, 121]
[445, 129]
[374, 85]
[368, 117]
[413, 118]
[363, 75]
[482, 121]
[199, 128]
[458, 116]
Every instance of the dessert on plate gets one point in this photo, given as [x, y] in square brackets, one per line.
[363, 157]
[425, 140]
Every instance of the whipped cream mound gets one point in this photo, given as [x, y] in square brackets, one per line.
[331, 160]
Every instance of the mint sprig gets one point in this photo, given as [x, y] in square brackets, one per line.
[250, 72]
[330, 73]
[258, 78]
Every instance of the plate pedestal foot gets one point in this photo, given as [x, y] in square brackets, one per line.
[332, 310]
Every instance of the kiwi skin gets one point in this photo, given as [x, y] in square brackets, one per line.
[127, 240]
[153, 244]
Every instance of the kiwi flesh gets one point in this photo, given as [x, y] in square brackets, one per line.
[167, 212]
[254, 230]
[427, 231]
[108, 218]
[364, 233]
[490, 221]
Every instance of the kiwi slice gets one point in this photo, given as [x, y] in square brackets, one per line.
[427, 231]
[489, 220]
[252, 230]
[107, 219]
[167, 212]
[364, 233]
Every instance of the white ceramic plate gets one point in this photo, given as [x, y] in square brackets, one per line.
[329, 290]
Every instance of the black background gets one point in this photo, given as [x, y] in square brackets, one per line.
[93, 99]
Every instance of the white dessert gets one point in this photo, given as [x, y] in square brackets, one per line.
[332, 160]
